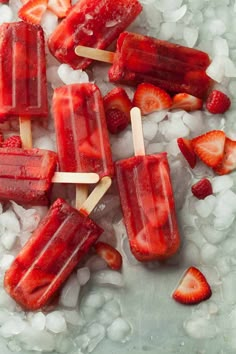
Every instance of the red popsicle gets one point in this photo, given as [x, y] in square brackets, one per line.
[140, 58]
[91, 23]
[147, 202]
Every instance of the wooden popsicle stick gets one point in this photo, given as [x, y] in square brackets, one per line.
[96, 54]
[75, 177]
[137, 131]
[25, 132]
[81, 194]
[95, 195]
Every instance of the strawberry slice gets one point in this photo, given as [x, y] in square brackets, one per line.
[59, 7]
[119, 100]
[193, 288]
[229, 159]
[209, 147]
[186, 148]
[33, 10]
[186, 102]
[110, 255]
[150, 98]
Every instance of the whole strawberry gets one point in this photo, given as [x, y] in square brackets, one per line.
[13, 142]
[116, 121]
[202, 188]
[217, 102]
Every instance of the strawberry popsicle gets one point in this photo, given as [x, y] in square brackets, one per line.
[140, 58]
[26, 175]
[91, 23]
[23, 86]
[148, 204]
[64, 236]
[81, 131]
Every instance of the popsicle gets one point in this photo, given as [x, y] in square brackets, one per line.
[23, 85]
[91, 23]
[147, 200]
[55, 248]
[140, 58]
[26, 175]
[81, 132]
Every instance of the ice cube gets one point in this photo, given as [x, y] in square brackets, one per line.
[55, 322]
[119, 330]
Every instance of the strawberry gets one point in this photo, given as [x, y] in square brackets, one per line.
[118, 99]
[187, 102]
[13, 142]
[193, 288]
[228, 163]
[116, 121]
[112, 257]
[217, 102]
[1, 139]
[209, 147]
[33, 10]
[59, 7]
[150, 98]
[202, 188]
[186, 148]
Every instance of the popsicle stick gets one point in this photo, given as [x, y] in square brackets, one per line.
[96, 54]
[137, 131]
[75, 177]
[95, 195]
[25, 132]
[81, 194]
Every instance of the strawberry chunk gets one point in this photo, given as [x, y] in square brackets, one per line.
[59, 7]
[209, 147]
[217, 102]
[13, 142]
[116, 121]
[202, 188]
[186, 148]
[150, 98]
[33, 10]
[111, 256]
[229, 159]
[118, 99]
[186, 102]
[193, 288]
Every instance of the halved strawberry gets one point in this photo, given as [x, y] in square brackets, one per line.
[228, 163]
[187, 102]
[150, 98]
[185, 146]
[111, 256]
[116, 120]
[209, 147]
[193, 288]
[118, 99]
[59, 7]
[202, 188]
[33, 10]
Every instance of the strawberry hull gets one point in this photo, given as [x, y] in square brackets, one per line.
[148, 206]
[81, 131]
[55, 248]
[169, 66]
[25, 175]
[93, 24]
[23, 85]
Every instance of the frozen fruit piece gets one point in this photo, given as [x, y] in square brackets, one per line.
[228, 163]
[62, 239]
[81, 130]
[93, 24]
[172, 67]
[118, 99]
[112, 257]
[150, 98]
[13, 141]
[59, 7]
[209, 147]
[202, 188]
[217, 102]
[185, 146]
[187, 102]
[33, 10]
[193, 288]
[148, 206]
[117, 121]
